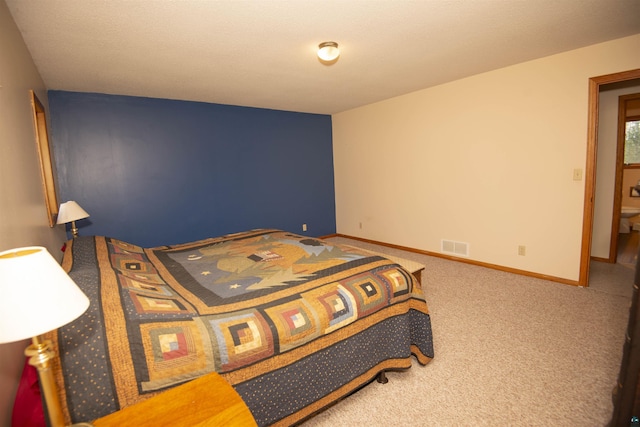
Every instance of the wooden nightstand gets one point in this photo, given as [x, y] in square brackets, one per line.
[207, 401]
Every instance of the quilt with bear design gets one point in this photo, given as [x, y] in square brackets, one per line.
[277, 314]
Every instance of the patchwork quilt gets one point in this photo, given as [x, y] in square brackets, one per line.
[293, 323]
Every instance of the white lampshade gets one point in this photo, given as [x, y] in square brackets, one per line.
[37, 295]
[71, 211]
[328, 51]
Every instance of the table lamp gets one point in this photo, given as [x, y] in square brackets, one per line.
[71, 212]
[37, 297]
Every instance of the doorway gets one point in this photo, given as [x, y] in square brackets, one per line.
[595, 85]
[626, 207]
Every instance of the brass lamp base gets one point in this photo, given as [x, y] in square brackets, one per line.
[40, 357]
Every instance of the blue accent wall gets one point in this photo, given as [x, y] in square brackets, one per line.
[157, 171]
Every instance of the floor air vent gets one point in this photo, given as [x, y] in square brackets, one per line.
[455, 248]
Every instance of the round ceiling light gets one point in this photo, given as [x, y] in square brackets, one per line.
[328, 52]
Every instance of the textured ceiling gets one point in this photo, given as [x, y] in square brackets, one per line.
[261, 53]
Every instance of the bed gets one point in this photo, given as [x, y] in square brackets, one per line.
[293, 323]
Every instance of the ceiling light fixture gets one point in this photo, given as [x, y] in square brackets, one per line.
[328, 52]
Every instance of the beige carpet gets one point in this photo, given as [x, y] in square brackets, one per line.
[510, 350]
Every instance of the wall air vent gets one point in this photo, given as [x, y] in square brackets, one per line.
[451, 247]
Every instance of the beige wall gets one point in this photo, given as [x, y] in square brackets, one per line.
[23, 219]
[606, 169]
[486, 160]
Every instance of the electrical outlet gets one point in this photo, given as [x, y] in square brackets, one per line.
[522, 250]
[304, 227]
[577, 174]
[360, 226]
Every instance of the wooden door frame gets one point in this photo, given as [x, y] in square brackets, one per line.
[590, 169]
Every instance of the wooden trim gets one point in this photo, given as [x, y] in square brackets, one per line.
[590, 169]
[463, 260]
[327, 236]
[46, 161]
[617, 192]
[590, 181]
